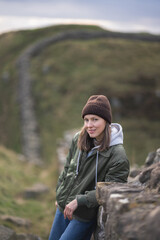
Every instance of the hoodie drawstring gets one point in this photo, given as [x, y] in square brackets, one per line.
[96, 169]
[78, 163]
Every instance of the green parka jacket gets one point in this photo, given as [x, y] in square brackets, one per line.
[82, 172]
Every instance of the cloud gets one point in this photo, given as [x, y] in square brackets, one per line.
[12, 23]
[90, 9]
[118, 15]
[60, 9]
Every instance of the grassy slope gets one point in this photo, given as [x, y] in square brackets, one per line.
[17, 176]
[114, 67]
[77, 69]
[12, 44]
[64, 76]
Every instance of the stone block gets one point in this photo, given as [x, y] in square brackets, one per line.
[36, 191]
[127, 212]
[7, 233]
[21, 222]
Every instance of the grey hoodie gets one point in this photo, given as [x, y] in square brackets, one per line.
[116, 134]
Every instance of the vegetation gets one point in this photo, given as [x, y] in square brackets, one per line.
[12, 44]
[16, 176]
[67, 73]
[64, 75]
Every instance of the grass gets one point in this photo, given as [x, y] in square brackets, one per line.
[16, 177]
[72, 70]
[120, 69]
[12, 44]
[64, 75]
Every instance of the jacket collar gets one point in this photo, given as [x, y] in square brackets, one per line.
[105, 153]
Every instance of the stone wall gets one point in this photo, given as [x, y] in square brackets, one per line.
[131, 210]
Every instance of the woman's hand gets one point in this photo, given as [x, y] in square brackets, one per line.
[69, 209]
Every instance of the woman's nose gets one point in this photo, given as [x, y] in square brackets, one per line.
[90, 124]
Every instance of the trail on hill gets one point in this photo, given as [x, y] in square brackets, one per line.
[30, 131]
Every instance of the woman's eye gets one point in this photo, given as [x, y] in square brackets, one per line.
[95, 119]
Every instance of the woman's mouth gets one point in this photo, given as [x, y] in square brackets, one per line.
[91, 131]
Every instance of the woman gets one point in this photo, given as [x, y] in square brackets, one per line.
[96, 155]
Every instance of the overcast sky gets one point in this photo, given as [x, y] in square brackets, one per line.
[116, 15]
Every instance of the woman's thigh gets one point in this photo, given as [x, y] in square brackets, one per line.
[59, 226]
[78, 230]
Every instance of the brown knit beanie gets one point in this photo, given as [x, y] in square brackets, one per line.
[98, 105]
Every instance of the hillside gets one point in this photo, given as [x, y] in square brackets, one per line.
[17, 176]
[127, 72]
[125, 67]
[66, 73]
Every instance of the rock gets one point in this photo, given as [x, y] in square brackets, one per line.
[7, 233]
[127, 212]
[150, 158]
[21, 222]
[135, 181]
[153, 157]
[145, 174]
[134, 172]
[136, 224]
[101, 219]
[36, 191]
[157, 157]
[151, 176]
[154, 181]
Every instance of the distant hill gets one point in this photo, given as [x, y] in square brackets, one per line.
[124, 67]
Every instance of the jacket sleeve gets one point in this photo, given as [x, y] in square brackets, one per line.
[88, 199]
[68, 159]
[119, 166]
[117, 172]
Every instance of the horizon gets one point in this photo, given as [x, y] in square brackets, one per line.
[117, 15]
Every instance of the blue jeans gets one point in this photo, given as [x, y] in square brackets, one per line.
[64, 229]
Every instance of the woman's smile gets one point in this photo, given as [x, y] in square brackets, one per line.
[94, 126]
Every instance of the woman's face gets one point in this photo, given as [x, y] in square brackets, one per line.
[94, 126]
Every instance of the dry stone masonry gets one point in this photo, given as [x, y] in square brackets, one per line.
[131, 210]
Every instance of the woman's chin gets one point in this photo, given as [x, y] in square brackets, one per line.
[92, 135]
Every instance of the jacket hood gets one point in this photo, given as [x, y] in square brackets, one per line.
[116, 134]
